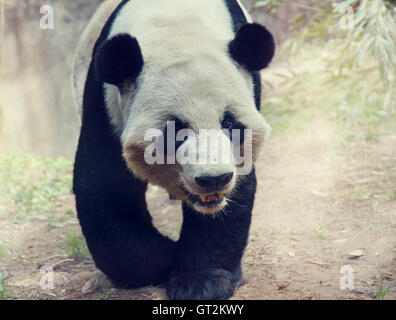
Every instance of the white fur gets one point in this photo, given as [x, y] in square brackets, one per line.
[187, 73]
[180, 30]
[131, 20]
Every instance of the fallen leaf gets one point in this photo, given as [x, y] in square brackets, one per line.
[355, 254]
[340, 240]
[318, 193]
[89, 286]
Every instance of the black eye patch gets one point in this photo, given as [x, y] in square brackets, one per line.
[179, 125]
[231, 124]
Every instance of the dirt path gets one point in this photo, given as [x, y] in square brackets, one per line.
[304, 228]
[318, 200]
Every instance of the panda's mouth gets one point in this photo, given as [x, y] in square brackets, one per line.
[210, 200]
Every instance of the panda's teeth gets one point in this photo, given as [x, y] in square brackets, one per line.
[211, 197]
[208, 198]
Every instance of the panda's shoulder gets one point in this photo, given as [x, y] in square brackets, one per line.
[83, 54]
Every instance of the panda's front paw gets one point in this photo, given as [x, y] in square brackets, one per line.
[215, 284]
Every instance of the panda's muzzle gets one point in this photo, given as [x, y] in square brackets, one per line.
[212, 184]
[212, 192]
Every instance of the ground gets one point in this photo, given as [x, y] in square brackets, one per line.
[323, 202]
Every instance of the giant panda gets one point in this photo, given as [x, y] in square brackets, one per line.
[141, 65]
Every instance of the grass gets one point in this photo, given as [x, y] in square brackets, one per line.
[75, 246]
[4, 251]
[385, 197]
[383, 291]
[31, 183]
[56, 221]
[363, 194]
[321, 230]
[106, 290]
[4, 293]
[372, 177]
[70, 211]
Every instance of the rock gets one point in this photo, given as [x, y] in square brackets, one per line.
[359, 291]
[47, 296]
[282, 285]
[355, 254]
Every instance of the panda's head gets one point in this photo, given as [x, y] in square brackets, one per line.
[187, 119]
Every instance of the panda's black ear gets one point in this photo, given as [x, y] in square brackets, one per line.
[253, 47]
[118, 59]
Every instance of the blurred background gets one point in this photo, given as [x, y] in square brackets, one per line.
[36, 107]
[327, 192]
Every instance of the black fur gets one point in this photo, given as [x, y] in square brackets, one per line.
[236, 125]
[253, 47]
[111, 201]
[118, 59]
[217, 284]
[237, 16]
[205, 263]
[238, 20]
[257, 88]
[209, 252]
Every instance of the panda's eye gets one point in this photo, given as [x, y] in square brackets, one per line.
[227, 122]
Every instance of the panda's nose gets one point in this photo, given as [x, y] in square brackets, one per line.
[213, 183]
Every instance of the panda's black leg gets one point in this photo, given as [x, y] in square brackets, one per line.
[123, 242]
[208, 259]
